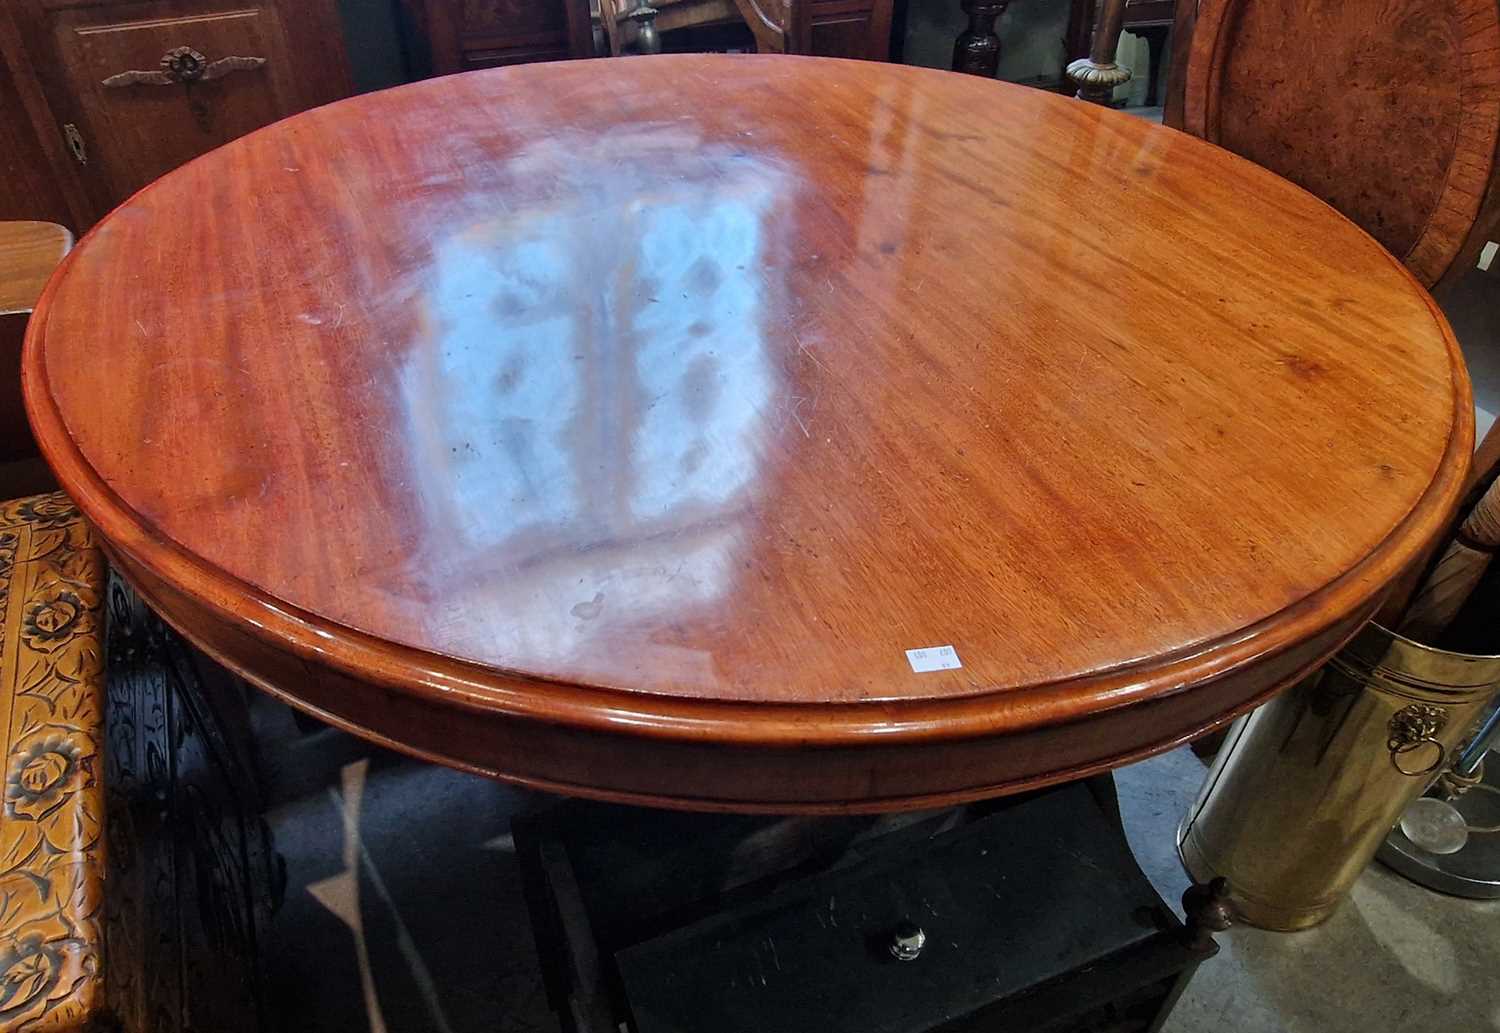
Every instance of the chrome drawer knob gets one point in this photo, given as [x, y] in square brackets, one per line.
[907, 941]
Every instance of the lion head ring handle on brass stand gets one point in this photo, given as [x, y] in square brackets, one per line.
[1437, 825]
[184, 66]
[1411, 729]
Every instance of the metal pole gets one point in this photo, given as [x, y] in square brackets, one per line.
[1488, 734]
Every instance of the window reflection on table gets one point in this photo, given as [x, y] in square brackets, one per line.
[588, 409]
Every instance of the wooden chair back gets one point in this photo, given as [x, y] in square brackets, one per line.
[1386, 109]
[770, 21]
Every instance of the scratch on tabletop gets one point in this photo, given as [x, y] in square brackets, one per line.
[806, 351]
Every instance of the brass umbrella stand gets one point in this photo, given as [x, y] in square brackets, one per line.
[1307, 788]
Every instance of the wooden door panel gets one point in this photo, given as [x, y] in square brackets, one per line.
[28, 188]
[843, 28]
[143, 128]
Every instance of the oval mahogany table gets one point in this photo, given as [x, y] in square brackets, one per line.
[617, 427]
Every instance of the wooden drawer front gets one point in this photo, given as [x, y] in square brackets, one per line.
[136, 131]
[1039, 893]
[513, 51]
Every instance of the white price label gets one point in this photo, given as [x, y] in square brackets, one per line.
[933, 658]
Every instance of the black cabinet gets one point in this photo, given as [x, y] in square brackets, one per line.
[1023, 914]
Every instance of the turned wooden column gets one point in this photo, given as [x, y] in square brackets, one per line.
[647, 41]
[1097, 75]
[977, 50]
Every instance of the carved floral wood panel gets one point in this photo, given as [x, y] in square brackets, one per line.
[51, 844]
[190, 870]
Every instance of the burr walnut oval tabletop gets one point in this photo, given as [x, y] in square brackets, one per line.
[619, 427]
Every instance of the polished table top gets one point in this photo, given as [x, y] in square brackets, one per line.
[619, 426]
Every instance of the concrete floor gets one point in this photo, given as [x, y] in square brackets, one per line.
[1394, 957]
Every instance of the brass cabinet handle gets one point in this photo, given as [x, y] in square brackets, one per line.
[184, 65]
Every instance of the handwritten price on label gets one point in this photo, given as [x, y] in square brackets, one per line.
[933, 658]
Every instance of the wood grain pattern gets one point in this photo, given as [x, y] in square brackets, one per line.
[624, 423]
[30, 141]
[52, 835]
[29, 252]
[1389, 111]
[47, 181]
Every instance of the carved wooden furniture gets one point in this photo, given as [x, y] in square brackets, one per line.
[29, 251]
[112, 93]
[1099, 74]
[1152, 20]
[463, 35]
[52, 856]
[136, 871]
[839, 28]
[1389, 112]
[634, 26]
[977, 49]
[675, 923]
[700, 533]
[1183, 23]
[829, 28]
[193, 877]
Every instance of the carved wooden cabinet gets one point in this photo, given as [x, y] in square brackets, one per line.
[468, 34]
[118, 92]
[843, 28]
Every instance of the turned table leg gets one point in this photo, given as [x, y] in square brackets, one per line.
[647, 41]
[1156, 39]
[977, 50]
[1097, 75]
